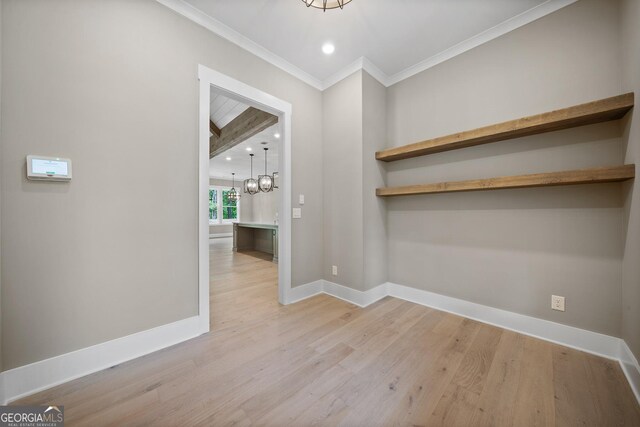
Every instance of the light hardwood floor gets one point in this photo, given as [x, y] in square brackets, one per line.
[323, 361]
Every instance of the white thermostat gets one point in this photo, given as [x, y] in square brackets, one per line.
[48, 168]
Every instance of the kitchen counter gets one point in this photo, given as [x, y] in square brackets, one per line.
[251, 236]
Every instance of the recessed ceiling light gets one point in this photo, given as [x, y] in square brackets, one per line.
[328, 48]
[248, 148]
[228, 158]
[276, 135]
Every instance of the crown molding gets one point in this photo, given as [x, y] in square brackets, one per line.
[196, 15]
[375, 72]
[362, 63]
[356, 65]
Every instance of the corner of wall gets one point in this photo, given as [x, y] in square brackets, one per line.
[629, 40]
[355, 242]
[342, 176]
[1, 50]
[374, 138]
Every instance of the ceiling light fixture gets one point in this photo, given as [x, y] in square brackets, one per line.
[265, 182]
[276, 135]
[248, 148]
[228, 158]
[250, 184]
[233, 194]
[326, 4]
[328, 48]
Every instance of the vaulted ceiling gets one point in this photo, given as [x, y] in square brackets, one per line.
[393, 38]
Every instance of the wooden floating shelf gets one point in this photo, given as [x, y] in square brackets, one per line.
[579, 115]
[583, 176]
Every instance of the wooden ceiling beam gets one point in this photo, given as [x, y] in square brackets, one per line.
[213, 128]
[247, 124]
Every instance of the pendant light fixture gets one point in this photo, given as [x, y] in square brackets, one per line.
[265, 182]
[233, 194]
[326, 4]
[251, 185]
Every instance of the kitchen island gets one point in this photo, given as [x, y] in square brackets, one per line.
[249, 236]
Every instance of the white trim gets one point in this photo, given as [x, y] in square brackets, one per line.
[203, 202]
[569, 336]
[375, 72]
[359, 298]
[251, 96]
[284, 214]
[353, 296]
[190, 12]
[217, 27]
[219, 235]
[580, 339]
[305, 291]
[630, 367]
[26, 380]
[342, 74]
[3, 397]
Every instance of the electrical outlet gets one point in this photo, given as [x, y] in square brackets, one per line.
[557, 302]
[297, 213]
[334, 270]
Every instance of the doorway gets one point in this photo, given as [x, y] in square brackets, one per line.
[239, 98]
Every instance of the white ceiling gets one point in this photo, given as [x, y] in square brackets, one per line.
[395, 37]
[224, 109]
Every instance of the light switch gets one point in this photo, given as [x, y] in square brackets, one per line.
[301, 199]
[297, 213]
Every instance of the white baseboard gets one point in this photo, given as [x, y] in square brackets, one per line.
[29, 379]
[218, 235]
[580, 339]
[630, 367]
[3, 398]
[359, 298]
[305, 291]
[569, 336]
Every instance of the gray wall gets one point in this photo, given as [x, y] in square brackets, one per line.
[113, 85]
[512, 249]
[246, 206]
[630, 42]
[354, 117]
[374, 138]
[342, 176]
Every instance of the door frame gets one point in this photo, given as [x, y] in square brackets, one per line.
[266, 102]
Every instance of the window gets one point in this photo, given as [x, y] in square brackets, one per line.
[213, 205]
[222, 213]
[229, 207]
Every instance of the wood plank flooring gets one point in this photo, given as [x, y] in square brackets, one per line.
[326, 362]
